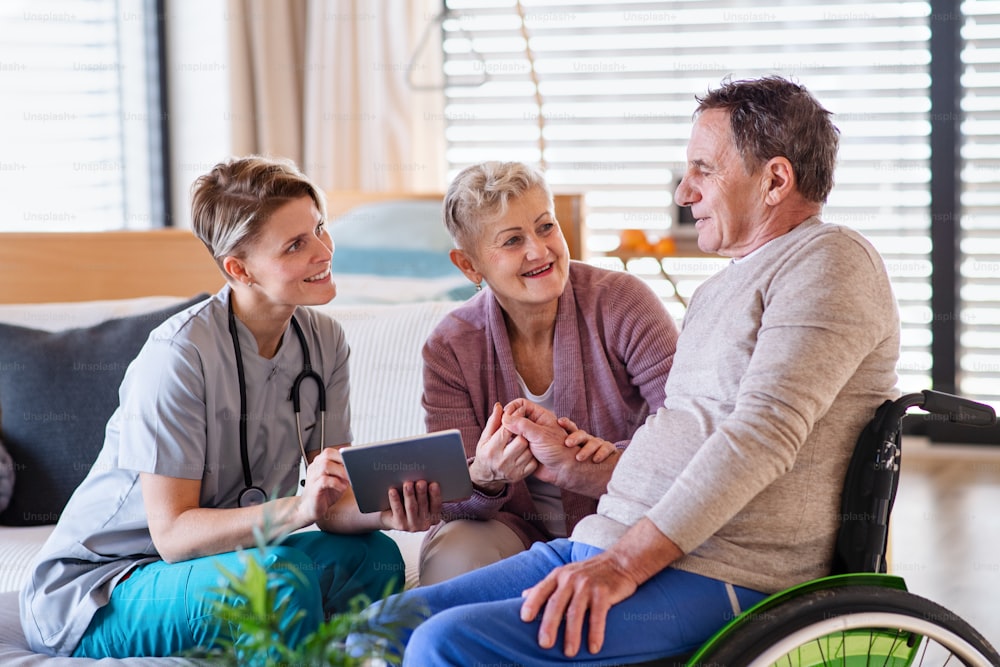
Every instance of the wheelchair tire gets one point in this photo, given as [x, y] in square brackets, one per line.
[852, 625]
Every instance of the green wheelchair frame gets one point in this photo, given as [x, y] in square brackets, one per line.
[859, 616]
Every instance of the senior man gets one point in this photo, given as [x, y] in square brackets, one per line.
[731, 490]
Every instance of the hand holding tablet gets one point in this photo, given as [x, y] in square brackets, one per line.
[434, 457]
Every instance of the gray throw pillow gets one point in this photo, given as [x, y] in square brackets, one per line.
[57, 392]
[6, 477]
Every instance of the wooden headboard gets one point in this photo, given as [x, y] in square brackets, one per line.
[37, 267]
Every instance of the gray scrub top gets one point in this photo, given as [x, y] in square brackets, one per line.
[178, 415]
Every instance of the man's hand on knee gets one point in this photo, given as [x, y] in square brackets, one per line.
[573, 591]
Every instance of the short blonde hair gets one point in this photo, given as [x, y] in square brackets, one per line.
[481, 193]
[231, 203]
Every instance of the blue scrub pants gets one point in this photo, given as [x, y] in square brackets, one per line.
[163, 609]
[476, 617]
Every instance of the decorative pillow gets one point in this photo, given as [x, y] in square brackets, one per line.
[368, 288]
[398, 224]
[6, 477]
[396, 251]
[397, 262]
[57, 392]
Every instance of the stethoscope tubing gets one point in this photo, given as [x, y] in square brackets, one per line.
[253, 495]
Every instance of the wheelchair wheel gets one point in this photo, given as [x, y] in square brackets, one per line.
[852, 626]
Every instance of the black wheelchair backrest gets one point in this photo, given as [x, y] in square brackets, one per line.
[873, 476]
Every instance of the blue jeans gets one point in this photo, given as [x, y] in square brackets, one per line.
[475, 618]
[163, 609]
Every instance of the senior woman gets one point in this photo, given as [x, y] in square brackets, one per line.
[589, 345]
[222, 403]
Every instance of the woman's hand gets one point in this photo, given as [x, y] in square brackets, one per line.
[326, 482]
[560, 460]
[545, 437]
[501, 457]
[591, 447]
[418, 509]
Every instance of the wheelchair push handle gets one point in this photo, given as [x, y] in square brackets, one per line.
[955, 409]
[873, 474]
[959, 410]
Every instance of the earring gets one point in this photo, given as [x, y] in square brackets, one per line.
[479, 286]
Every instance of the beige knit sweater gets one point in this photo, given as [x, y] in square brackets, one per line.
[783, 357]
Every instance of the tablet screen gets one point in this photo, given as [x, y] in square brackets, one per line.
[434, 457]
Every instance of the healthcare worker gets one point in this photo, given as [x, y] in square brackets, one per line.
[222, 403]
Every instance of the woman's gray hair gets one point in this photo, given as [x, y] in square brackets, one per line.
[231, 203]
[481, 193]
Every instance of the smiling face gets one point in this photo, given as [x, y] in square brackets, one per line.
[727, 202]
[289, 261]
[521, 255]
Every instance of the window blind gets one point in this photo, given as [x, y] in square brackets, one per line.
[979, 332]
[80, 118]
[611, 115]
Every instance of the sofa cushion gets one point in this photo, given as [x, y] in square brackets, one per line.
[57, 392]
[14, 651]
[386, 364]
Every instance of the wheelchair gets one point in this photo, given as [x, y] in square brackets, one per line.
[859, 616]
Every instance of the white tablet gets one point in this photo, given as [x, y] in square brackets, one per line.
[434, 457]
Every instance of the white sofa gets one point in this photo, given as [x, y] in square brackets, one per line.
[385, 401]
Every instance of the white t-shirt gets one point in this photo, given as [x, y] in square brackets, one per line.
[547, 496]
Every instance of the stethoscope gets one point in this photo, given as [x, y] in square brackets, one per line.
[254, 495]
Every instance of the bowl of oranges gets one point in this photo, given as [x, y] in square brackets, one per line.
[635, 242]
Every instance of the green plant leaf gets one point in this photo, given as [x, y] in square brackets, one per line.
[248, 603]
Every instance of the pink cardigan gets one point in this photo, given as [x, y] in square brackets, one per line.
[614, 345]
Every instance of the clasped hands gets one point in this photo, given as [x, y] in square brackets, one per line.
[523, 439]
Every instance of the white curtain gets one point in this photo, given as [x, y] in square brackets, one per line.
[327, 83]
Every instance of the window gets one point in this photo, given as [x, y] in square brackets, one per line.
[601, 95]
[81, 117]
[611, 114]
[979, 330]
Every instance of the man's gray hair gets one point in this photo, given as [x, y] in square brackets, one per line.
[772, 117]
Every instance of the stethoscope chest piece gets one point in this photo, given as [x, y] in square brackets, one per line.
[252, 495]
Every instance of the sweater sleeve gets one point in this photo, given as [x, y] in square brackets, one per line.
[446, 399]
[824, 312]
[448, 403]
